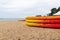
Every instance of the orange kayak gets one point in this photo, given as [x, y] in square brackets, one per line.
[44, 21]
[42, 17]
[43, 25]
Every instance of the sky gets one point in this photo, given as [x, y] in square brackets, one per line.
[23, 8]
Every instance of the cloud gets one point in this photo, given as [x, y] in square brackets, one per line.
[22, 8]
[16, 5]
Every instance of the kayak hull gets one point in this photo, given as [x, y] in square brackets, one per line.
[43, 25]
[44, 21]
[42, 17]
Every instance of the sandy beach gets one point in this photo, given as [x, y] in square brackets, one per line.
[17, 30]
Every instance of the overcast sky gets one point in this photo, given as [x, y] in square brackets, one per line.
[22, 8]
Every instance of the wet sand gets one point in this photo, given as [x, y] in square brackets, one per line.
[17, 30]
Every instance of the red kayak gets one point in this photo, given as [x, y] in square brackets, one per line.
[43, 25]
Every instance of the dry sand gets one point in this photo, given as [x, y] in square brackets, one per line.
[17, 30]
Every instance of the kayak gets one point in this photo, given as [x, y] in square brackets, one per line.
[44, 21]
[43, 25]
[42, 17]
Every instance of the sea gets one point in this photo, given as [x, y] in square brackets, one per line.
[12, 18]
